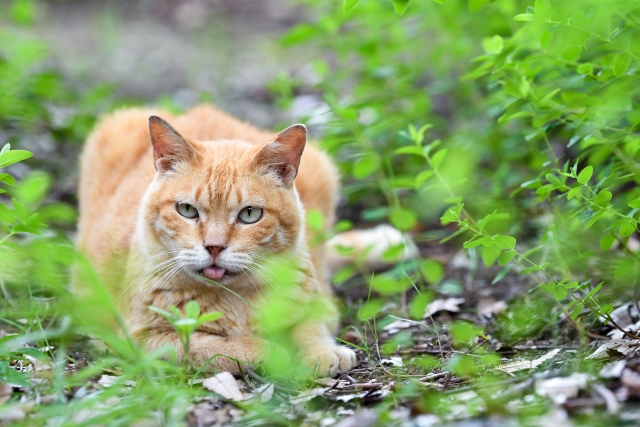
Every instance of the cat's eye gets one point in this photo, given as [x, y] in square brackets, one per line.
[250, 214]
[186, 210]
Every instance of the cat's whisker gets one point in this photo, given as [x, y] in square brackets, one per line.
[169, 252]
[266, 280]
[158, 272]
[174, 267]
[148, 272]
[250, 279]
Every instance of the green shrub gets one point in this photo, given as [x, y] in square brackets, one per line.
[505, 118]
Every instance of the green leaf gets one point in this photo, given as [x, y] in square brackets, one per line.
[476, 5]
[411, 149]
[595, 290]
[490, 255]
[400, 6]
[348, 4]
[6, 215]
[403, 219]
[548, 97]
[571, 285]
[473, 243]
[192, 309]
[506, 257]
[585, 175]
[6, 148]
[560, 293]
[572, 193]
[432, 270]
[185, 323]
[423, 177]
[393, 253]
[621, 63]
[606, 242]
[486, 220]
[387, 285]
[493, 45]
[167, 315]
[209, 317]
[365, 166]
[7, 179]
[627, 229]
[505, 242]
[525, 17]
[419, 304]
[315, 220]
[344, 274]
[370, 309]
[464, 331]
[23, 11]
[32, 352]
[508, 117]
[438, 158]
[576, 311]
[543, 9]
[593, 219]
[501, 275]
[635, 203]
[10, 375]
[603, 198]
[14, 156]
[586, 68]
[530, 269]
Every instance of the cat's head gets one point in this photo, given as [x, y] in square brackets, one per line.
[219, 209]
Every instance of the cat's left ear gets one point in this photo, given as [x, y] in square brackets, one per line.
[282, 155]
[169, 147]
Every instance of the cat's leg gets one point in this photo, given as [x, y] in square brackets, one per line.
[319, 351]
[229, 351]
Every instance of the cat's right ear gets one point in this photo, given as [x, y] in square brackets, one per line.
[169, 147]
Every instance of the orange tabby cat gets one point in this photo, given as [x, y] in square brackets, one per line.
[206, 200]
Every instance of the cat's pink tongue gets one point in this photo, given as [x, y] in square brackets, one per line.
[214, 272]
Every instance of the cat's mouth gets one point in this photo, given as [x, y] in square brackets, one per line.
[214, 273]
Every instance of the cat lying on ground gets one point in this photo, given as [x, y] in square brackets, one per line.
[206, 199]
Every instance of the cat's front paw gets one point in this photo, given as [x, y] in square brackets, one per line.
[330, 361]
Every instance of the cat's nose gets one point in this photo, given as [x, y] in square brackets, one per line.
[215, 251]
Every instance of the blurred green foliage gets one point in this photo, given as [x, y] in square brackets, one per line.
[522, 117]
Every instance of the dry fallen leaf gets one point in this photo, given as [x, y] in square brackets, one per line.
[626, 347]
[528, 364]
[397, 325]
[449, 304]
[393, 361]
[265, 392]
[350, 396]
[363, 418]
[487, 307]
[225, 385]
[613, 370]
[562, 388]
[624, 315]
[109, 380]
[307, 395]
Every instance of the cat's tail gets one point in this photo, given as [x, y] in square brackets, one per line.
[370, 249]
